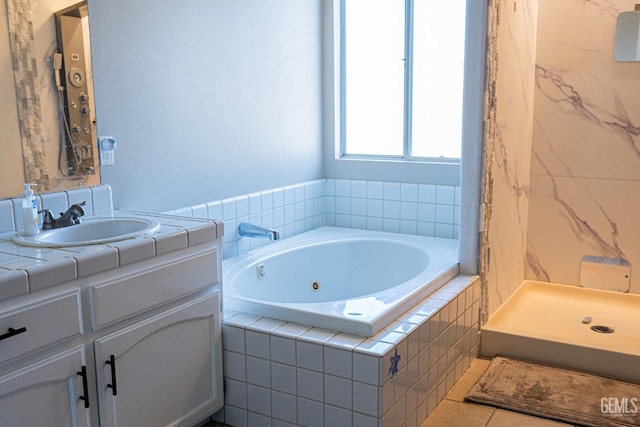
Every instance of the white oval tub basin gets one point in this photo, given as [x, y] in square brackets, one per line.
[346, 280]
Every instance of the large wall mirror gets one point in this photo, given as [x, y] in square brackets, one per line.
[48, 115]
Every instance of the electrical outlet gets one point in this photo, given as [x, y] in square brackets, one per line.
[106, 145]
[106, 158]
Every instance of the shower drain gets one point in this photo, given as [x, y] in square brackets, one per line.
[602, 329]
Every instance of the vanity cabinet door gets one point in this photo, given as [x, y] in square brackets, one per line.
[166, 370]
[47, 393]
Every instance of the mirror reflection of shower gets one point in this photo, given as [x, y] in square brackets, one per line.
[73, 79]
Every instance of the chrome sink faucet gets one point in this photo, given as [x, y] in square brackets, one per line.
[246, 229]
[70, 217]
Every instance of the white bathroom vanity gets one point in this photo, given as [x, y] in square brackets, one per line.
[125, 333]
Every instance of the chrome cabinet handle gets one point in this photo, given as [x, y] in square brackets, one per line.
[13, 332]
[113, 386]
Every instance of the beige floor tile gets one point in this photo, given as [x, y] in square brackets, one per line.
[502, 418]
[460, 389]
[449, 413]
[478, 366]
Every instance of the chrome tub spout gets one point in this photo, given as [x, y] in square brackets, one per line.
[246, 229]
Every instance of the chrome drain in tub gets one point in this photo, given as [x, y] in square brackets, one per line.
[315, 286]
[602, 329]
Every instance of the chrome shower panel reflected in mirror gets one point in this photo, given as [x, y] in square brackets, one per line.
[627, 47]
[72, 76]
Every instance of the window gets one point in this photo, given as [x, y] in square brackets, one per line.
[402, 65]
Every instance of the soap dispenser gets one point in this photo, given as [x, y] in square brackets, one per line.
[29, 212]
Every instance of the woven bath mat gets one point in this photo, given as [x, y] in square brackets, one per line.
[558, 394]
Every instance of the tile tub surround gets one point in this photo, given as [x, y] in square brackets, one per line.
[408, 208]
[27, 269]
[290, 374]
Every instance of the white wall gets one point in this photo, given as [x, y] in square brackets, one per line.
[207, 98]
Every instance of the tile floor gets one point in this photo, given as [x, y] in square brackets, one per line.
[454, 411]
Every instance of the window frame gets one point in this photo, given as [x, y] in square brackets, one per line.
[408, 97]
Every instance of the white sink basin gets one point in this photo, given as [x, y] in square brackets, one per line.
[91, 231]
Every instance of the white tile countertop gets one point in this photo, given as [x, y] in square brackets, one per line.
[26, 269]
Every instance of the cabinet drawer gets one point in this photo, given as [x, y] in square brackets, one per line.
[36, 325]
[134, 294]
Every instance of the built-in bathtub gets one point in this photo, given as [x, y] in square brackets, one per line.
[571, 326]
[288, 366]
[346, 280]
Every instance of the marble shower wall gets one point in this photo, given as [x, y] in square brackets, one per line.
[510, 87]
[585, 170]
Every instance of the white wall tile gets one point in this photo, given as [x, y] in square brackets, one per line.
[257, 344]
[7, 222]
[375, 190]
[409, 192]
[200, 211]
[258, 371]
[366, 399]
[366, 368]
[283, 406]
[310, 384]
[391, 190]
[309, 355]
[242, 206]
[338, 391]
[56, 202]
[372, 205]
[409, 210]
[445, 195]
[343, 188]
[391, 209]
[311, 413]
[278, 197]
[215, 209]
[235, 393]
[289, 195]
[426, 193]
[283, 350]
[102, 199]
[235, 365]
[186, 211]
[283, 378]
[259, 400]
[258, 420]
[229, 209]
[255, 203]
[235, 416]
[267, 200]
[361, 420]
[298, 191]
[335, 416]
[359, 189]
[337, 362]
[358, 207]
